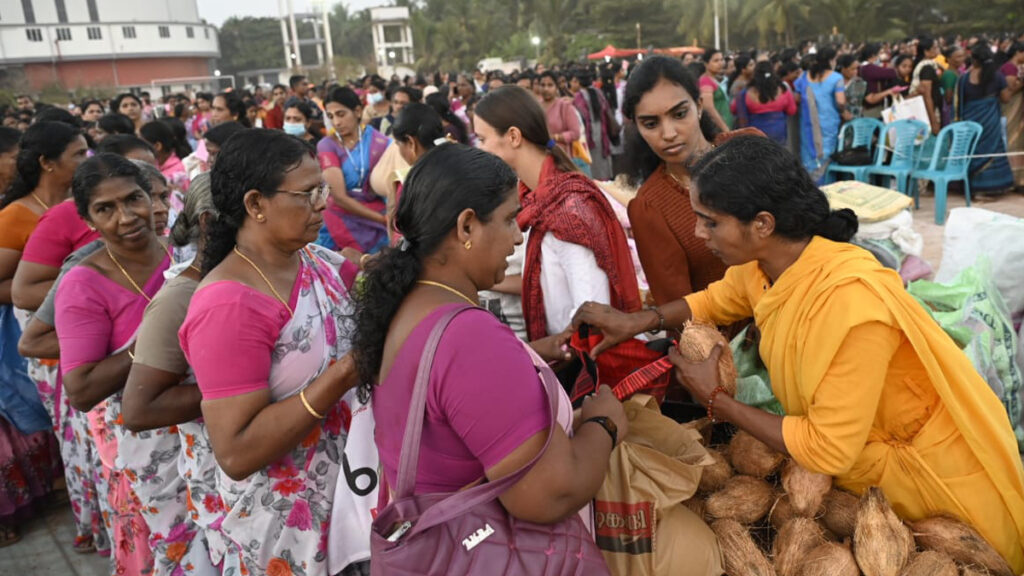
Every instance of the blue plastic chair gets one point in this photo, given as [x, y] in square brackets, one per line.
[904, 135]
[950, 160]
[867, 132]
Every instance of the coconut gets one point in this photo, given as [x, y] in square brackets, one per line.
[881, 543]
[742, 558]
[696, 343]
[806, 489]
[698, 506]
[713, 477]
[752, 457]
[744, 499]
[829, 559]
[840, 513]
[781, 512]
[794, 541]
[960, 542]
[930, 563]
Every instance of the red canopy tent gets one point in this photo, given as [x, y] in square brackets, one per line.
[610, 51]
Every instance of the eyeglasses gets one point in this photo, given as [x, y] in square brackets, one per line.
[314, 196]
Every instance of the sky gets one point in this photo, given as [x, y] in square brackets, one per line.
[217, 11]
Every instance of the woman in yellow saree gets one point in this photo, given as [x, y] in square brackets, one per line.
[875, 393]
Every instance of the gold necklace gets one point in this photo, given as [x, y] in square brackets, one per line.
[40, 200]
[448, 288]
[126, 275]
[677, 179]
[267, 280]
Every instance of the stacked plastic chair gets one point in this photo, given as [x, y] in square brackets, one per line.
[903, 136]
[950, 161]
[867, 133]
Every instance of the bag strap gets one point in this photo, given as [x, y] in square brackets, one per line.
[460, 502]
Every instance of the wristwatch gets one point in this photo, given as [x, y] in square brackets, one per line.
[608, 425]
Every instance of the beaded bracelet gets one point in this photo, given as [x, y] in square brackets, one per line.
[661, 320]
[711, 403]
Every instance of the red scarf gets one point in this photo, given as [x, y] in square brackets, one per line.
[570, 206]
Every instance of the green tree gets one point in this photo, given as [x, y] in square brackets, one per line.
[351, 34]
[250, 44]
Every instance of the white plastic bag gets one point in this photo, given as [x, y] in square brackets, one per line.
[972, 232]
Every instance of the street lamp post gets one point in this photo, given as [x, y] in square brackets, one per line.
[536, 45]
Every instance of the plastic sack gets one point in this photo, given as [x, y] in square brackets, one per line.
[972, 232]
[19, 396]
[642, 528]
[971, 310]
[870, 203]
[753, 386]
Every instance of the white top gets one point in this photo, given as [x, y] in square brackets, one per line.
[569, 277]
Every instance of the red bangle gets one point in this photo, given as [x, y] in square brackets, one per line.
[711, 403]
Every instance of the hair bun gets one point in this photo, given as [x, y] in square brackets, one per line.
[839, 225]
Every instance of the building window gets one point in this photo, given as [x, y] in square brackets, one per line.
[94, 14]
[34, 34]
[128, 32]
[165, 32]
[62, 12]
[190, 32]
[392, 34]
[63, 34]
[30, 14]
[95, 33]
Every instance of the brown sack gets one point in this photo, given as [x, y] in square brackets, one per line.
[637, 514]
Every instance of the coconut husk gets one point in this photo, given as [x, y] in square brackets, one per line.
[713, 477]
[698, 506]
[781, 512]
[696, 343]
[743, 499]
[974, 571]
[930, 563]
[960, 542]
[829, 559]
[840, 513]
[752, 457]
[806, 489]
[881, 543]
[793, 542]
[742, 558]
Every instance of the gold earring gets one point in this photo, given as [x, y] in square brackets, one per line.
[468, 244]
[261, 218]
[49, 169]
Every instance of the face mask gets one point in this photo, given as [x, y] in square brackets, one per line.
[294, 128]
[374, 98]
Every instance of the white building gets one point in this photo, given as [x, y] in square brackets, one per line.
[392, 38]
[161, 44]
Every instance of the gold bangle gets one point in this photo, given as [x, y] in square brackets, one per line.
[362, 261]
[131, 355]
[314, 413]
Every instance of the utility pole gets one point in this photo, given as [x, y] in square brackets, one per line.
[725, 5]
[639, 43]
[297, 61]
[329, 42]
[718, 41]
[284, 35]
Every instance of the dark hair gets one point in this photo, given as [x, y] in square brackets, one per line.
[822, 61]
[116, 123]
[870, 50]
[220, 133]
[345, 96]
[122, 144]
[845, 61]
[899, 60]
[642, 161]
[765, 81]
[709, 54]
[46, 139]
[100, 167]
[181, 146]
[742, 61]
[295, 80]
[56, 114]
[157, 132]
[418, 121]
[982, 57]
[439, 102]
[924, 44]
[254, 159]
[379, 83]
[548, 74]
[115, 106]
[281, 86]
[235, 107]
[414, 94]
[304, 108]
[508, 106]
[208, 96]
[751, 174]
[443, 183]
[87, 103]
[9, 138]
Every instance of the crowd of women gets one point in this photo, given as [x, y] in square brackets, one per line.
[214, 333]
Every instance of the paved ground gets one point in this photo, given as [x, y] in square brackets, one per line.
[45, 549]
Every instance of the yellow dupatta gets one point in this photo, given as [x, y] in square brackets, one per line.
[798, 345]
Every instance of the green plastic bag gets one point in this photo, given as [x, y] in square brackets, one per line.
[971, 310]
[753, 386]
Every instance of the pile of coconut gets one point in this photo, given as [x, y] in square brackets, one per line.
[774, 517]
